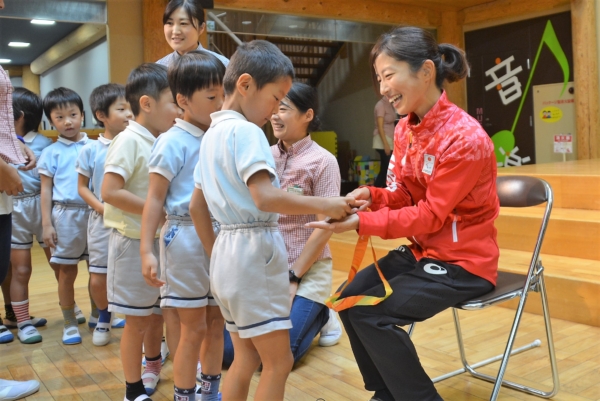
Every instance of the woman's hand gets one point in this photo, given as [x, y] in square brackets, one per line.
[363, 194]
[348, 223]
[10, 182]
[386, 149]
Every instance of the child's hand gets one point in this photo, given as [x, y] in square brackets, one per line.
[150, 269]
[29, 156]
[338, 208]
[49, 236]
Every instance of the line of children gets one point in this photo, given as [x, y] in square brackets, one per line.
[112, 112]
[124, 192]
[26, 220]
[236, 176]
[196, 84]
[64, 213]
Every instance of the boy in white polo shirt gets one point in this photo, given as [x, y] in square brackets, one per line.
[196, 81]
[113, 113]
[64, 213]
[26, 219]
[124, 192]
[236, 176]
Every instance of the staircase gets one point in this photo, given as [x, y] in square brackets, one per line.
[311, 58]
[571, 250]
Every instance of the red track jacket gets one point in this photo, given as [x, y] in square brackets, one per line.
[441, 191]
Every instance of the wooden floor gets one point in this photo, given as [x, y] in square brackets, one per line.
[91, 373]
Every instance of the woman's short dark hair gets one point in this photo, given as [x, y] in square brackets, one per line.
[194, 71]
[61, 97]
[415, 46]
[192, 8]
[305, 97]
[149, 79]
[29, 105]
[262, 60]
[103, 97]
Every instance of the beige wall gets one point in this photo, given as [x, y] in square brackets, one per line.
[125, 38]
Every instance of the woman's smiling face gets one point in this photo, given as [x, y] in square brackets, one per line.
[180, 31]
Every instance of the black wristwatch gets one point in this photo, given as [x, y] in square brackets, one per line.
[294, 278]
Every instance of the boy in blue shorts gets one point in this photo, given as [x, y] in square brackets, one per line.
[113, 113]
[236, 175]
[26, 219]
[124, 192]
[64, 213]
[196, 81]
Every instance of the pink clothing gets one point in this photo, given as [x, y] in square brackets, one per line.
[10, 151]
[441, 191]
[384, 109]
[308, 170]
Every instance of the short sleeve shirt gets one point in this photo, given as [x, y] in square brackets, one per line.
[91, 163]
[128, 156]
[384, 109]
[31, 178]
[174, 156]
[58, 162]
[233, 149]
[10, 151]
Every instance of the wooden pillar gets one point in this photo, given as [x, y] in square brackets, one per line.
[585, 65]
[125, 38]
[451, 31]
[31, 81]
[155, 44]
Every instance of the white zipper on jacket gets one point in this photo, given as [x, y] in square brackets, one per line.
[454, 232]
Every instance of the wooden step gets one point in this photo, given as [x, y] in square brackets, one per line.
[573, 284]
[576, 184]
[571, 232]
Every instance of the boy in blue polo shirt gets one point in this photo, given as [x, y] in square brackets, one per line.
[26, 219]
[196, 81]
[64, 213]
[113, 113]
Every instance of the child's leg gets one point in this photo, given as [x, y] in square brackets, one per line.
[153, 336]
[93, 305]
[245, 363]
[277, 361]
[193, 329]
[211, 353]
[131, 346]
[171, 317]
[66, 282]
[98, 290]
[20, 260]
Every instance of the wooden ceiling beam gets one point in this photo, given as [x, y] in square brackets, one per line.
[508, 9]
[296, 42]
[353, 10]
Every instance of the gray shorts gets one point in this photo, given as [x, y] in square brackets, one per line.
[26, 221]
[127, 290]
[249, 279]
[98, 236]
[184, 266]
[70, 223]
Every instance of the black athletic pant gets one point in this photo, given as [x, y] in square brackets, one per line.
[386, 356]
[5, 237]
[381, 179]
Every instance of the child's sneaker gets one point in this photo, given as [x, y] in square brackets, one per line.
[79, 315]
[35, 322]
[117, 322]
[101, 334]
[71, 336]
[5, 335]
[331, 332]
[28, 334]
[142, 397]
[150, 381]
[15, 390]
[199, 372]
[164, 352]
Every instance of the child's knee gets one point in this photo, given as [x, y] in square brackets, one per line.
[21, 272]
[137, 324]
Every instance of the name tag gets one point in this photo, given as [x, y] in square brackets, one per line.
[428, 163]
[295, 189]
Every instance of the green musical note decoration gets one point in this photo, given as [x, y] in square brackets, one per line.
[505, 139]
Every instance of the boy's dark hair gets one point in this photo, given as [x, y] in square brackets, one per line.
[29, 105]
[305, 97]
[149, 79]
[103, 97]
[61, 97]
[262, 60]
[192, 8]
[194, 71]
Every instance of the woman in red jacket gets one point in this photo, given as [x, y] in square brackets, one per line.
[441, 195]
